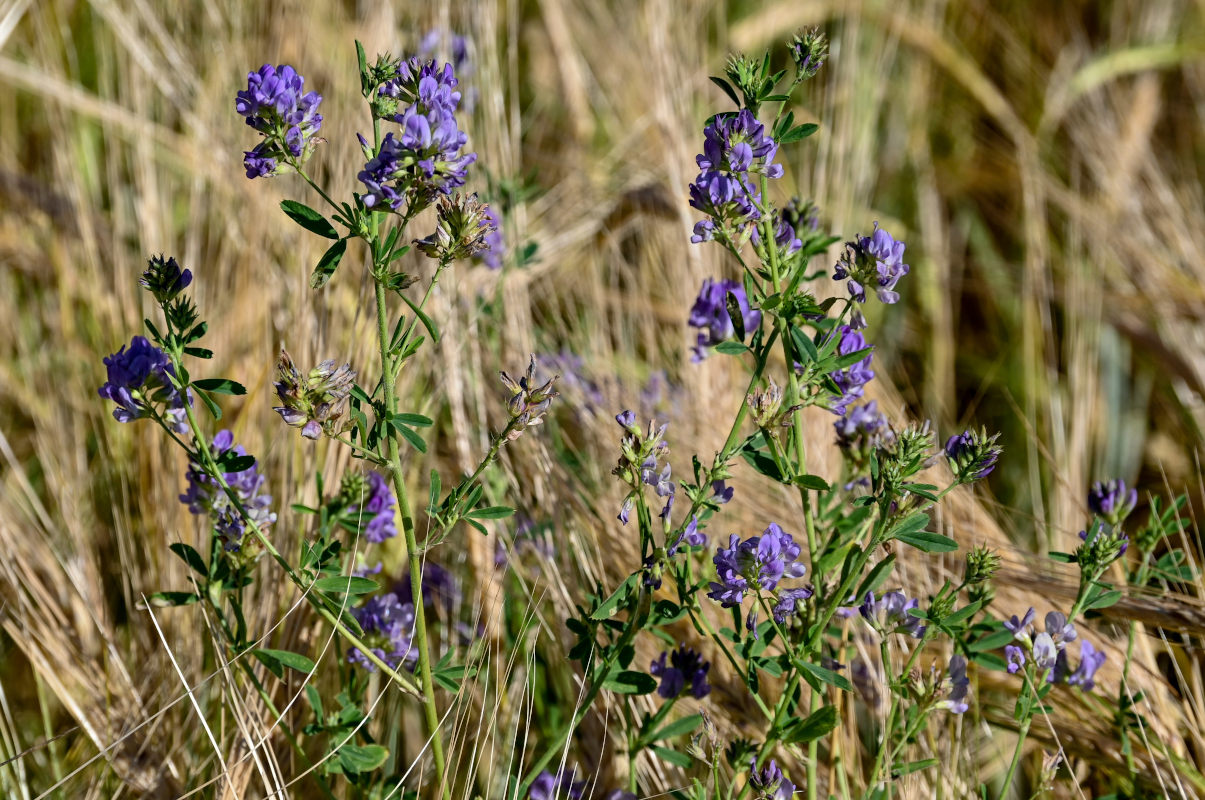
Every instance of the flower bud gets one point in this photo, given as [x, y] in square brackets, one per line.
[463, 223]
[972, 455]
[527, 405]
[1112, 500]
[981, 565]
[164, 279]
[809, 51]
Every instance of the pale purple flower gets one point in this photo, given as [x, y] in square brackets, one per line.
[876, 261]
[788, 602]
[958, 684]
[691, 536]
[388, 626]
[721, 492]
[276, 104]
[757, 563]
[863, 426]
[851, 380]
[770, 782]
[378, 510]
[1015, 657]
[1090, 660]
[1112, 500]
[889, 614]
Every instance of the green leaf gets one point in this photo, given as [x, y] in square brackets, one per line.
[929, 542]
[410, 435]
[728, 90]
[436, 492]
[812, 482]
[631, 682]
[816, 725]
[877, 576]
[417, 420]
[677, 727]
[491, 512]
[422, 316]
[799, 133]
[913, 766]
[1103, 600]
[612, 603]
[825, 675]
[220, 386]
[328, 264]
[189, 556]
[672, 756]
[849, 359]
[231, 461]
[167, 599]
[731, 348]
[198, 352]
[345, 584]
[275, 659]
[992, 641]
[359, 758]
[804, 346]
[308, 218]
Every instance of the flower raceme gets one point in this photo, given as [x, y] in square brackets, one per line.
[276, 104]
[754, 565]
[205, 496]
[735, 147]
[140, 383]
[316, 401]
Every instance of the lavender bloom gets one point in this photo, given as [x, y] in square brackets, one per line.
[205, 496]
[1015, 657]
[388, 627]
[863, 426]
[972, 454]
[1112, 500]
[721, 492]
[276, 104]
[1090, 660]
[710, 313]
[425, 160]
[686, 671]
[1060, 630]
[770, 783]
[140, 379]
[875, 260]
[734, 146]
[547, 786]
[1044, 651]
[1020, 627]
[495, 242]
[959, 686]
[757, 563]
[889, 614]
[691, 536]
[788, 602]
[627, 421]
[378, 508]
[850, 381]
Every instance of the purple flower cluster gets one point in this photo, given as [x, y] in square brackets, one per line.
[139, 380]
[205, 496]
[889, 614]
[876, 260]
[1048, 650]
[734, 147]
[710, 314]
[1112, 500]
[863, 426]
[561, 786]
[276, 104]
[388, 626]
[686, 671]
[851, 380]
[425, 158]
[770, 783]
[758, 563]
[379, 508]
[439, 587]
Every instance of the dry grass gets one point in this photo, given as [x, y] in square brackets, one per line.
[1042, 160]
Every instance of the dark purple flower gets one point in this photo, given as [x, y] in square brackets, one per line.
[889, 614]
[721, 492]
[686, 671]
[710, 314]
[1112, 500]
[276, 104]
[1015, 657]
[547, 786]
[388, 626]
[972, 454]
[851, 380]
[770, 783]
[439, 586]
[759, 562]
[784, 237]
[735, 147]
[875, 260]
[378, 509]
[139, 382]
[1090, 660]
[205, 497]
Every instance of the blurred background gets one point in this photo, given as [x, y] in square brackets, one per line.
[1043, 161]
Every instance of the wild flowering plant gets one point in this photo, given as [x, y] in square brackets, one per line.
[782, 609]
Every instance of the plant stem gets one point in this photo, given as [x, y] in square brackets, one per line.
[1012, 768]
[421, 640]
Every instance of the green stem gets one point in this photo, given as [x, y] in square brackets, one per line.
[421, 639]
[1012, 767]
